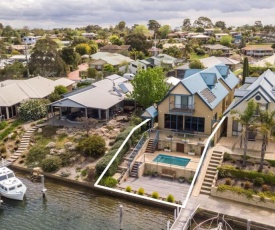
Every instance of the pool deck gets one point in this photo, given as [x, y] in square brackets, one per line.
[164, 186]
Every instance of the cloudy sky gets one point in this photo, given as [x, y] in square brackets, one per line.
[75, 13]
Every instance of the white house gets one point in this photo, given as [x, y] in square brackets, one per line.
[218, 36]
[28, 40]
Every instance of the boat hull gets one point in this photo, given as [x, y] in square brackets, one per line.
[17, 195]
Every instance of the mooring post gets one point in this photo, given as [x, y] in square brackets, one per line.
[248, 224]
[0, 200]
[43, 187]
[168, 225]
[175, 214]
[120, 217]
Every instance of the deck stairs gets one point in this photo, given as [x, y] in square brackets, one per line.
[150, 146]
[215, 161]
[134, 171]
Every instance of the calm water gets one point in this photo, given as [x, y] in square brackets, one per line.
[180, 161]
[72, 207]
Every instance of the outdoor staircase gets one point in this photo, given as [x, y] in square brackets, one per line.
[211, 171]
[150, 146]
[24, 143]
[134, 171]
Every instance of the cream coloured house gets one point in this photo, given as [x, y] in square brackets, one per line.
[261, 90]
[196, 102]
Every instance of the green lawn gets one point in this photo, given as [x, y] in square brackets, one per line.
[195, 56]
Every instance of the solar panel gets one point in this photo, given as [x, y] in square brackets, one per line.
[123, 88]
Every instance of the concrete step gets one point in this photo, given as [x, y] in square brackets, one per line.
[20, 151]
[210, 176]
[206, 192]
[216, 158]
[213, 165]
[11, 160]
[208, 179]
[210, 168]
[206, 183]
[14, 157]
[17, 154]
[216, 155]
[214, 161]
[205, 187]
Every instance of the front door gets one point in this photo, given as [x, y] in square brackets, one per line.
[180, 147]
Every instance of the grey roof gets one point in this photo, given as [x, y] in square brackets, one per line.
[262, 85]
[80, 90]
[34, 88]
[111, 58]
[250, 80]
[217, 47]
[103, 94]
[228, 61]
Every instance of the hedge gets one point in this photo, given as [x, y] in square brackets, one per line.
[103, 162]
[236, 189]
[230, 171]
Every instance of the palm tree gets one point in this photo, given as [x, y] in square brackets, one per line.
[267, 121]
[246, 118]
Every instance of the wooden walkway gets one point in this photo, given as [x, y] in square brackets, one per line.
[164, 186]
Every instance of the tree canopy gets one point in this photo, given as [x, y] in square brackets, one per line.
[153, 25]
[196, 64]
[70, 57]
[149, 86]
[46, 60]
[138, 42]
[226, 40]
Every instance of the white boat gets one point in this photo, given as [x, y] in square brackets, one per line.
[10, 186]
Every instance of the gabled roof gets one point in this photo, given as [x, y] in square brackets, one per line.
[150, 112]
[263, 85]
[111, 58]
[11, 95]
[217, 47]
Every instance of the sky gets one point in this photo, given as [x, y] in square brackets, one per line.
[50, 14]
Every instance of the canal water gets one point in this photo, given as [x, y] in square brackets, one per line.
[76, 208]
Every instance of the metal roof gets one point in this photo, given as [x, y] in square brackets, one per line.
[150, 112]
[11, 95]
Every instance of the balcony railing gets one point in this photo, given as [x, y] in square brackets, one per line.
[179, 108]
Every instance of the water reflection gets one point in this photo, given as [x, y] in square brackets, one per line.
[72, 207]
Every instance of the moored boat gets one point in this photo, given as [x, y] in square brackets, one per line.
[10, 186]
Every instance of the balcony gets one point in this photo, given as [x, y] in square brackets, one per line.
[181, 109]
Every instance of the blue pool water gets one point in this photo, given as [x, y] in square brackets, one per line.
[161, 158]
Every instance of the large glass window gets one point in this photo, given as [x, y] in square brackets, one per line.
[194, 124]
[173, 122]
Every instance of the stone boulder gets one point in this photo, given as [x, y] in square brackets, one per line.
[50, 145]
[39, 130]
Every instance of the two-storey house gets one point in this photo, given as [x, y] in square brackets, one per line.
[198, 100]
[261, 90]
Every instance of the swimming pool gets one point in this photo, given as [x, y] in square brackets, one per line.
[161, 158]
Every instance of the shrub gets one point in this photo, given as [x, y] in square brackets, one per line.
[247, 185]
[248, 193]
[3, 125]
[36, 154]
[265, 188]
[32, 109]
[170, 198]
[128, 188]
[3, 149]
[258, 181]
[51, 164]
[84, 172]
[108, 182]
[140, 191]
[226, 156]
[228, 181]
[92, 146]
[155, 195]
[271, 162]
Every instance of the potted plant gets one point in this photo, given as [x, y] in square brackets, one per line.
[181, 179]
[191, 151]
[155, 174]
[167, 149]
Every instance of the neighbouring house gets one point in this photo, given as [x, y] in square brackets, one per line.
[163, 60]
[218, 36]
[113, 59]
[102, 100]
[265, 62]
[89, 35]
[195, 103]
[134, 66]
[226, 51]
[209, 31]
[178, 45]
[201, 37]
[208, 62]
[258, 50]
[260, 89]
[115, 48]
[14, 92]
[154, 51]
[29, 40]
[20, 57]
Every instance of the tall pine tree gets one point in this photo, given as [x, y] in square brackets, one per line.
[245, 69]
